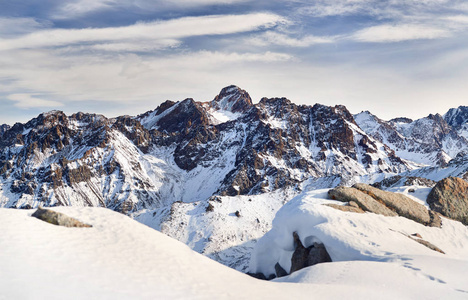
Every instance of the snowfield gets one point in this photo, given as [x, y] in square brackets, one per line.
[367, 248]
[119, 258]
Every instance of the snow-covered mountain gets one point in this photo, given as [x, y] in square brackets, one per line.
[429, 141]
[213, 174]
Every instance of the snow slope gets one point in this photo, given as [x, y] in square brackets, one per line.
[367, 248]
[211, 226]
[119, 258]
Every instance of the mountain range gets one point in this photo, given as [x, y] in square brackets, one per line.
[169, 167]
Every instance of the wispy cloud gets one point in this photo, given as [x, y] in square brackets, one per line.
[275, 38]
[26, 101]
[398, 33]
[11, 27]
[152, 31]
[79, 8]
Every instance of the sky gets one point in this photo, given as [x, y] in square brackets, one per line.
[114, 57]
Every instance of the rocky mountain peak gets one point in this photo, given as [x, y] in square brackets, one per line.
[456, 117]
[232, 99]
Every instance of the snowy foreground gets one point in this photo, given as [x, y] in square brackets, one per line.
[120, 258]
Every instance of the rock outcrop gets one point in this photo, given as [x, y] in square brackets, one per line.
[450, 198]
[305, 257]
[399, 203]
[374, 200]
[57, 218]
[364, 201]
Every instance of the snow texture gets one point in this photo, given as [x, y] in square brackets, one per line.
[367, 248]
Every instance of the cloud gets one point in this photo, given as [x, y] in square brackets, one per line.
[10, 27]
[26, 101]
[327, 8]
[280, 39]
[152, 31]
[122, 77]
[398, 33]
[80, 8]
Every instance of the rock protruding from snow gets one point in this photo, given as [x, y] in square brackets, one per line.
[364, 201]
[305, 257]
[401, 204]
[398, 181]
[450, 198]
[57, 218]
[380, 202]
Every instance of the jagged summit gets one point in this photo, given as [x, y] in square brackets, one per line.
[457, 117]
[232, 99]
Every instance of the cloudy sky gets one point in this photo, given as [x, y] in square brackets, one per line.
[115, 57]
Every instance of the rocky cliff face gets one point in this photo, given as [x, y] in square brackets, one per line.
[3, 129]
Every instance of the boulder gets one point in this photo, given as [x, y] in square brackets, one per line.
[450, 198]
[305, 257]
[364, 201]
[347, 208]
[401, 204]
[57, 218]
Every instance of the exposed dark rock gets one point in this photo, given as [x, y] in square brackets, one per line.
[305, 257]
[233, 99]
[3, 129]
[401, 120]
[436, 221]
[80, 174]
[398, 180]
[237, 213]
[209, 207]
[364, 201]
[261, 276]
[57, 218]
[280, 272]
[456, 117]
[450, 198]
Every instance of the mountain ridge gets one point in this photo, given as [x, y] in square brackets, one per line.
[240, 147]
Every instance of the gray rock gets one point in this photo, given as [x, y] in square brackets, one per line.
[280, 271]
[347, 208]
[401, 204]
[364, 201]
[450, 198]
[305, 257]
[57, 218]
